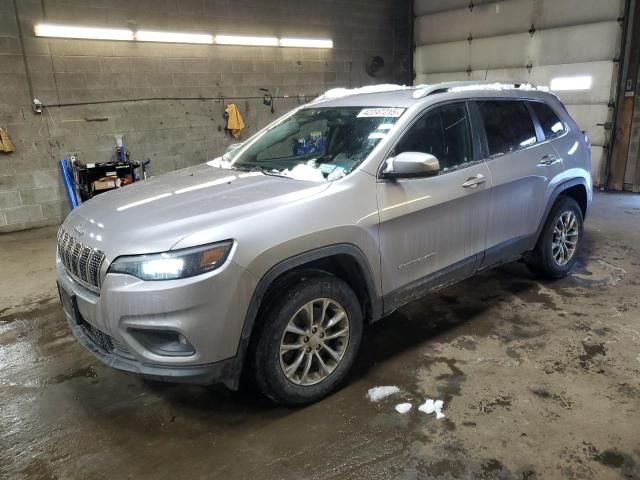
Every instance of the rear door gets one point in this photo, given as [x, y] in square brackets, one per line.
[433, 229]
[521, 164]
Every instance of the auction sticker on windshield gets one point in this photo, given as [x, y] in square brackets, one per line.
[381, 113]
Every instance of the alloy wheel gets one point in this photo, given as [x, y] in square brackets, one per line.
[565, 238]
[314, 342]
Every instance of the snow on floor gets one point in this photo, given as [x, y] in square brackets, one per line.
[403, 407]
[430, 406]
[378, 393]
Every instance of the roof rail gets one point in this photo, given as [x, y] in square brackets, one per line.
[426, 90]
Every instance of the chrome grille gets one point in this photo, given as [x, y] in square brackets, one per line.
[80, 261]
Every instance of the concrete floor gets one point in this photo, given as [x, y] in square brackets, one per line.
[540, 380]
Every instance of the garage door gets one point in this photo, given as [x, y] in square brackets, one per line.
[571, 45]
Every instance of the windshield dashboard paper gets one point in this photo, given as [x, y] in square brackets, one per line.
[381, 113]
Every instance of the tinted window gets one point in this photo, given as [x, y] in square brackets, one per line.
[444, 133]
[549, 121]
[508, 125]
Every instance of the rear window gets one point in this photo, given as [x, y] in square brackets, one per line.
[508, 125]
[551, 125]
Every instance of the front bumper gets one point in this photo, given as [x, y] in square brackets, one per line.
[208, 310]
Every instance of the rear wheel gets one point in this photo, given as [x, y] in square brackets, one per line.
[556, 251]
[309, 340]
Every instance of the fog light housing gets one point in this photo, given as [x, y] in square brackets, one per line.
[163, 342]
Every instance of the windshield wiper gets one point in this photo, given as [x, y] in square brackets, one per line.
[266, 171]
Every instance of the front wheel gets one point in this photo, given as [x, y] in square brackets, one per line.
[308, 340]
[556, 252]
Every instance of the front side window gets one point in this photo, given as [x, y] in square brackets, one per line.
[508, 125]
[318, 143]
[444, 133]
[549, 121]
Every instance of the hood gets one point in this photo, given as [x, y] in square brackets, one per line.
[154, 215]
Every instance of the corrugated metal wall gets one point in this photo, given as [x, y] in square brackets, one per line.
[526, 40]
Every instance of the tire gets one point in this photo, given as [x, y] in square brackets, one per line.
[286, 322]
[547, 259]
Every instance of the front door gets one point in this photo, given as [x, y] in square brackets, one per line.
[432, 229]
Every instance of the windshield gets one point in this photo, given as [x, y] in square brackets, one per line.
[318, 143]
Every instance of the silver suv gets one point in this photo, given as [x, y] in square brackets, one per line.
[268, 262]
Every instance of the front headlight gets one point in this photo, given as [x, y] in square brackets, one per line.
[172, 265]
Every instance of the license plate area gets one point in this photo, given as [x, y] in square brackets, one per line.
[98, 338]
[69, 304]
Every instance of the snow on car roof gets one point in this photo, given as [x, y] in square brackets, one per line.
[405, 96]
[345, 92]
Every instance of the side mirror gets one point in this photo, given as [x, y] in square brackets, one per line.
[411, 165]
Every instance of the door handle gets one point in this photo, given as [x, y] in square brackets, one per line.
[473, 182]
[548, 160]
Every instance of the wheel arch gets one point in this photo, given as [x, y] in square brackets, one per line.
[575, 188]
[345, 261]
[579, 193]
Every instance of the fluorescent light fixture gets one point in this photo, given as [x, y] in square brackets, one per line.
[306, 43]
[243, 40]
[583, 82]
[90, 33]
[173, 37]
[95, 33]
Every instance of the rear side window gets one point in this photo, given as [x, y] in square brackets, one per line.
[508, 125]
[551, 125]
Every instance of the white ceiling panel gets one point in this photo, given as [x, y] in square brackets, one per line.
[425, 7]
[442, 57]
[597, 163]
[512, 16]
[506, 51]
[588, 117]
[602, 74]
[501, 18]
[443, 27]
[577, 44]
[431, 78]
[598, 94]
[572, 38]
[558, 13]
[484, 21]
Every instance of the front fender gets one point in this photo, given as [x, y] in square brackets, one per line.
[296, 261]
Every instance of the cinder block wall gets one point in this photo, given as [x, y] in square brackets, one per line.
[172, 133]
